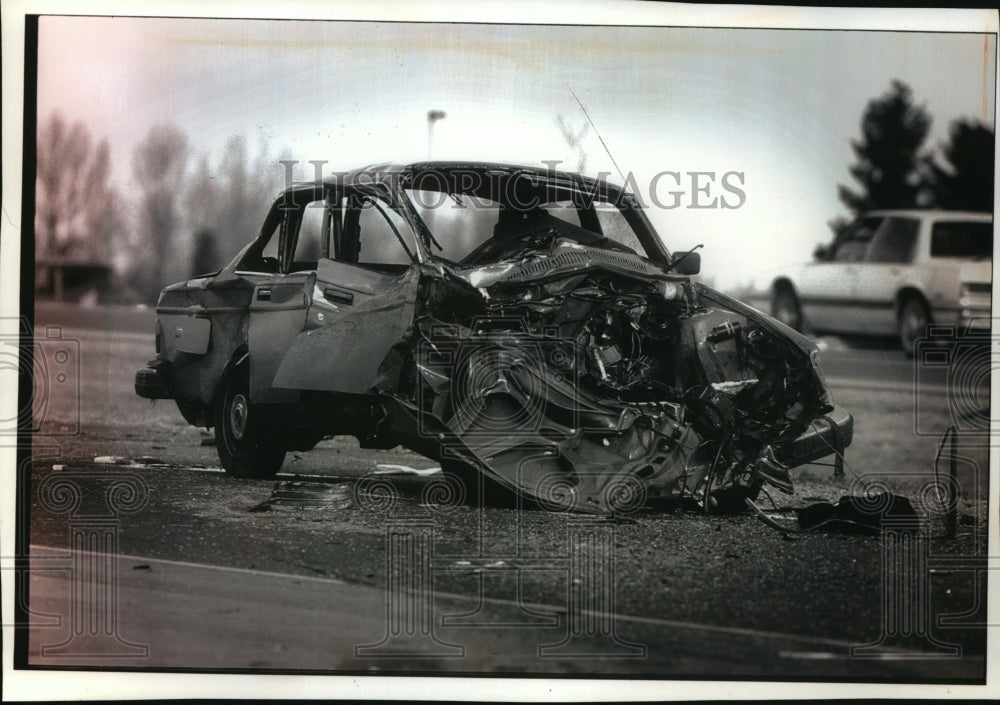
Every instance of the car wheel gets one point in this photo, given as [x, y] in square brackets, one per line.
[245, 449]
[785, 308]
[912, 324]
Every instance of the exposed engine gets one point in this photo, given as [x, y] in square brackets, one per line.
[587, 386]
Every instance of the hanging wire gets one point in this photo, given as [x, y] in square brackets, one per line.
[713, 468]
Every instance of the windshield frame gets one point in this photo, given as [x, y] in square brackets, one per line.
[556, 186]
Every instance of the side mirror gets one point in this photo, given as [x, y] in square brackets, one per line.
[688, 263]
[821, 253]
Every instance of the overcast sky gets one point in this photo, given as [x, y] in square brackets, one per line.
[780, 106]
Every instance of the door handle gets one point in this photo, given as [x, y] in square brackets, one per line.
[263, 294]
[338, 296]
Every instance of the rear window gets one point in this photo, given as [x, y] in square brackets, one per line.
[961, 239]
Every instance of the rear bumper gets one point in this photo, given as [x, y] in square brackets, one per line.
[826, 435]
[151, 382]
[969, 318]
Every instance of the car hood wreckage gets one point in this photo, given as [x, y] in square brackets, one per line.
[535, 330]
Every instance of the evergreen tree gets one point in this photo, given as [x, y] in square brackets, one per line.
[889, 159]
[965, 182]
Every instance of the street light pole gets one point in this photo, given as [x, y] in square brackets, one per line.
[432, 117]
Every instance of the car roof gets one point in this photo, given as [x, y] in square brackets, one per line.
[933, 214]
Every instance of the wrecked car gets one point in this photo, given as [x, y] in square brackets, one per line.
[521, 325]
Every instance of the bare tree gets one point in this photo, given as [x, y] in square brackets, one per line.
[229, 203]
[257, 183]
[190, 223]
[236, 224]
[201, 205]
[158, 164]
[75, 215]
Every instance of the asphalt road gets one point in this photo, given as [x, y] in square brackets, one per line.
[209, 572]
[209, 575]
[852, 364]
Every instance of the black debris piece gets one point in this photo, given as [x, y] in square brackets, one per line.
[861, 515]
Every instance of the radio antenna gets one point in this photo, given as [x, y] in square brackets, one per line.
[594, 127]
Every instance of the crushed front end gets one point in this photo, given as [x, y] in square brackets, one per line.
[591, 380]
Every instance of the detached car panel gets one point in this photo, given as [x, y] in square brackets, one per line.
[522, 324]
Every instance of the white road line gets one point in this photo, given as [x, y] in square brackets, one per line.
[482, 599]
[811, 655]
[61, 553]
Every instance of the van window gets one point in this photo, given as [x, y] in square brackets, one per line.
[961, 239]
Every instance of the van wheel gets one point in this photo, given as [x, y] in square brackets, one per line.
[785, 308]
[245, 449]
[911, 323]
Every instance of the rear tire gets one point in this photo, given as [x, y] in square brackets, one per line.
[245, 448]
[785, 308]
[911, 323]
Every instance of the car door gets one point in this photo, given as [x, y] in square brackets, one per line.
[888, 266]
[358, 304]
[280, 299]
[826, 289]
